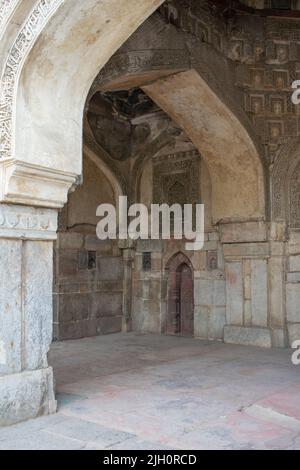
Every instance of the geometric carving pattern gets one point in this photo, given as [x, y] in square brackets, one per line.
[285, 185]
[176, 178]
[133, 62]
[294, 194]
[266, 58]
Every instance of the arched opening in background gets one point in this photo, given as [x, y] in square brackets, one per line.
[180, 297]
[45, 150]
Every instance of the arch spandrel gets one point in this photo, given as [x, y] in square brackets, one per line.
[50, 82]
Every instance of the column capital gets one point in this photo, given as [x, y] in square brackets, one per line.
[34, 185]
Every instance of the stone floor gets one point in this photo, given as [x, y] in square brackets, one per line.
[153, 392]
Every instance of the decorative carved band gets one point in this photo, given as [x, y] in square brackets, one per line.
[176, 178]
[140, 61]
[23, 43]
[286, 185]
[27, 222]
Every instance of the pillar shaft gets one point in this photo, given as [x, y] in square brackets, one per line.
[26, 279]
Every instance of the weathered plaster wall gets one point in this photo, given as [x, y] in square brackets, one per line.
[88, 282]
[246, 66]
[82, 204]
[233, 162]
[77, 30]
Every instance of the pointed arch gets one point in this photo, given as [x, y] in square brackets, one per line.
[285, 185]
[179, 319]
[176, 260]
[233, 161]
[54, 59]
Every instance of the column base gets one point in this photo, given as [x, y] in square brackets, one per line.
[260, 337]
[26, 395]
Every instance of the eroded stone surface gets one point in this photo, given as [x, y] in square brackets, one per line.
[248, 336]
[26, 395]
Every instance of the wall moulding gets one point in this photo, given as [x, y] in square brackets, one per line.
[138, 63]
[285, 185]
[236, 251]
[27, 223]
[253, 231]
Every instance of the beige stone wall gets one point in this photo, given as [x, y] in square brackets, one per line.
[88, 283]
[82, 204]
[234, 106]
[228, 87]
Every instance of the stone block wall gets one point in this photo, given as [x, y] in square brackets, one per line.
[210, 293]
[147, 288]
[293, 287]
[210, 310]
[255, 284]
[150, 287]
[246, 285]
[88, 287]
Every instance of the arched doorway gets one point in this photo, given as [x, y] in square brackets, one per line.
[180, 300]
[46, 88]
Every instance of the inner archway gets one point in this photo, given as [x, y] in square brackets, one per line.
[180, 297]
[45, 159]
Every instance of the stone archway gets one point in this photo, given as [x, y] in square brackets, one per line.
[52, 61]
[44, 85]
[55, 36]
[285, 197]
[180, 297]
[227, 148]
[201, 109]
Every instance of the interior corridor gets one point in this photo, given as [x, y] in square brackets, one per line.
[133, 391]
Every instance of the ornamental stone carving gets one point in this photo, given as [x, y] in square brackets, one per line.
[27, 222]
[174, 173]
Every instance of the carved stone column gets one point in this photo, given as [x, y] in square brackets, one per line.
[26, 255]
[128, 250]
